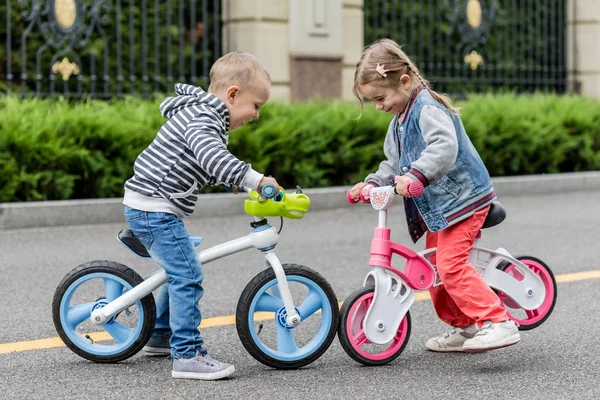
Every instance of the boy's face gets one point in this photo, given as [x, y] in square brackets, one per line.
[244, 103]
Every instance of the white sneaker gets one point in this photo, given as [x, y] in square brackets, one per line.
[452, 340]
[493, 336]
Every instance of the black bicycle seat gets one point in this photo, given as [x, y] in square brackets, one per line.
[127, 237]
[495, 215]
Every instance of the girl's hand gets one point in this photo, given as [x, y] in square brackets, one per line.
[355, 191]
[402, 183]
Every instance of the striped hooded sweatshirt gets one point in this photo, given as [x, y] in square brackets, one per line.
[189, 152]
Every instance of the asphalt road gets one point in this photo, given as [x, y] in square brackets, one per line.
[559, 360]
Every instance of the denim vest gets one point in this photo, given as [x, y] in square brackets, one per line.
[464, 189]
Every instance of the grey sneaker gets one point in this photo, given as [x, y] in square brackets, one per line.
[452, 340]
[158, 345]
[201, 367]
[493, 336]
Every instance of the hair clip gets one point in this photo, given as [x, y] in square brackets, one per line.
[381, 69]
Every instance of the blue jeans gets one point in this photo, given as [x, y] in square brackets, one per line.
[168, 242]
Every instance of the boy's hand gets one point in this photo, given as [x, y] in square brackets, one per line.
[235, 189]
[355, 191]
[268, 180]
[402, 183]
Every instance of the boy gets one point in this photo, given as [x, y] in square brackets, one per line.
[189, 152]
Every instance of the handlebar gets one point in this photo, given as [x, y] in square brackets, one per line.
[267, 191]
[416, 189]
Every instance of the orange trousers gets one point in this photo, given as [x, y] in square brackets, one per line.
[464, 298]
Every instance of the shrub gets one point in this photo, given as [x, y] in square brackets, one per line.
[56, 149]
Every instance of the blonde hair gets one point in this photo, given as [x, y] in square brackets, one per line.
[387, 53]
[235, 68]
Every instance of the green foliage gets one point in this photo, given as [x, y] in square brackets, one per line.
[534, 134]
[56, 149]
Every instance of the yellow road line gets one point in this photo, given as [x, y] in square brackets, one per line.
[50, 343]
[577, 276]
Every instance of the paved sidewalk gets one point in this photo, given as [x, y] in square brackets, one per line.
[77, 212]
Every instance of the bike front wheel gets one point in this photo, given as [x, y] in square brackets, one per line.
[91, 286]
[261, 318]
[352, 335]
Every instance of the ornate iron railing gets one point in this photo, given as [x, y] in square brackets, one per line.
[104, 49]
[478, 45]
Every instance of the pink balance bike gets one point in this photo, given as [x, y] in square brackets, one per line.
[375, 320]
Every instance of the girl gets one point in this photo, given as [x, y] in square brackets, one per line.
[426, 141]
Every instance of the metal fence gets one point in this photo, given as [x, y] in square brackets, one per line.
[104, 49]
[478, 45]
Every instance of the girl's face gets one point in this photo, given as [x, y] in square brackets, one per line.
[388, 99]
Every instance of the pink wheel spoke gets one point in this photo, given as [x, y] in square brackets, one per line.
[360, 338]
[398, 337]
[531, 313]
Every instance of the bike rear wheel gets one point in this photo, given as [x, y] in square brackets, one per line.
[530, 319]
[91, 286]
[352, 336]
[261, 318]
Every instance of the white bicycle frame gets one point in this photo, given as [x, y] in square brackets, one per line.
[264, 240]
[393, 293]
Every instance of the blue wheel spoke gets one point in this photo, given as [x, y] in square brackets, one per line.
[275, 291]
[311, 304]
[78, 314]
[118, 331]
[267, 302]
[285, 341]
[113, 289]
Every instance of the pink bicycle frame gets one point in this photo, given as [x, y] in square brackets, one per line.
[418, 273]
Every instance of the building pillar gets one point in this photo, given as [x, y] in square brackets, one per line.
[261, 27]
[316, 52]
[353, 43]
[583, 47]
[310, 47]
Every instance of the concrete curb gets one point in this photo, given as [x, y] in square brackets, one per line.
[77, 212]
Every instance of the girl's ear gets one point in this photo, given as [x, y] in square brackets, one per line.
[232, 93]
[406, 81]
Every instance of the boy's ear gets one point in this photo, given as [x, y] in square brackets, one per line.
[406, 81]
[232, 93]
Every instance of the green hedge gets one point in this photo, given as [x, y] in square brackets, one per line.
[54, 149]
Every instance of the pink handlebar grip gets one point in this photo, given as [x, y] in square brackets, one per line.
[350, 199]
[416, 189]
[364, 198]
[365, 193]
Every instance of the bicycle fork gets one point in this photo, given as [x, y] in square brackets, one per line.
[283, 289]
[391, 301]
